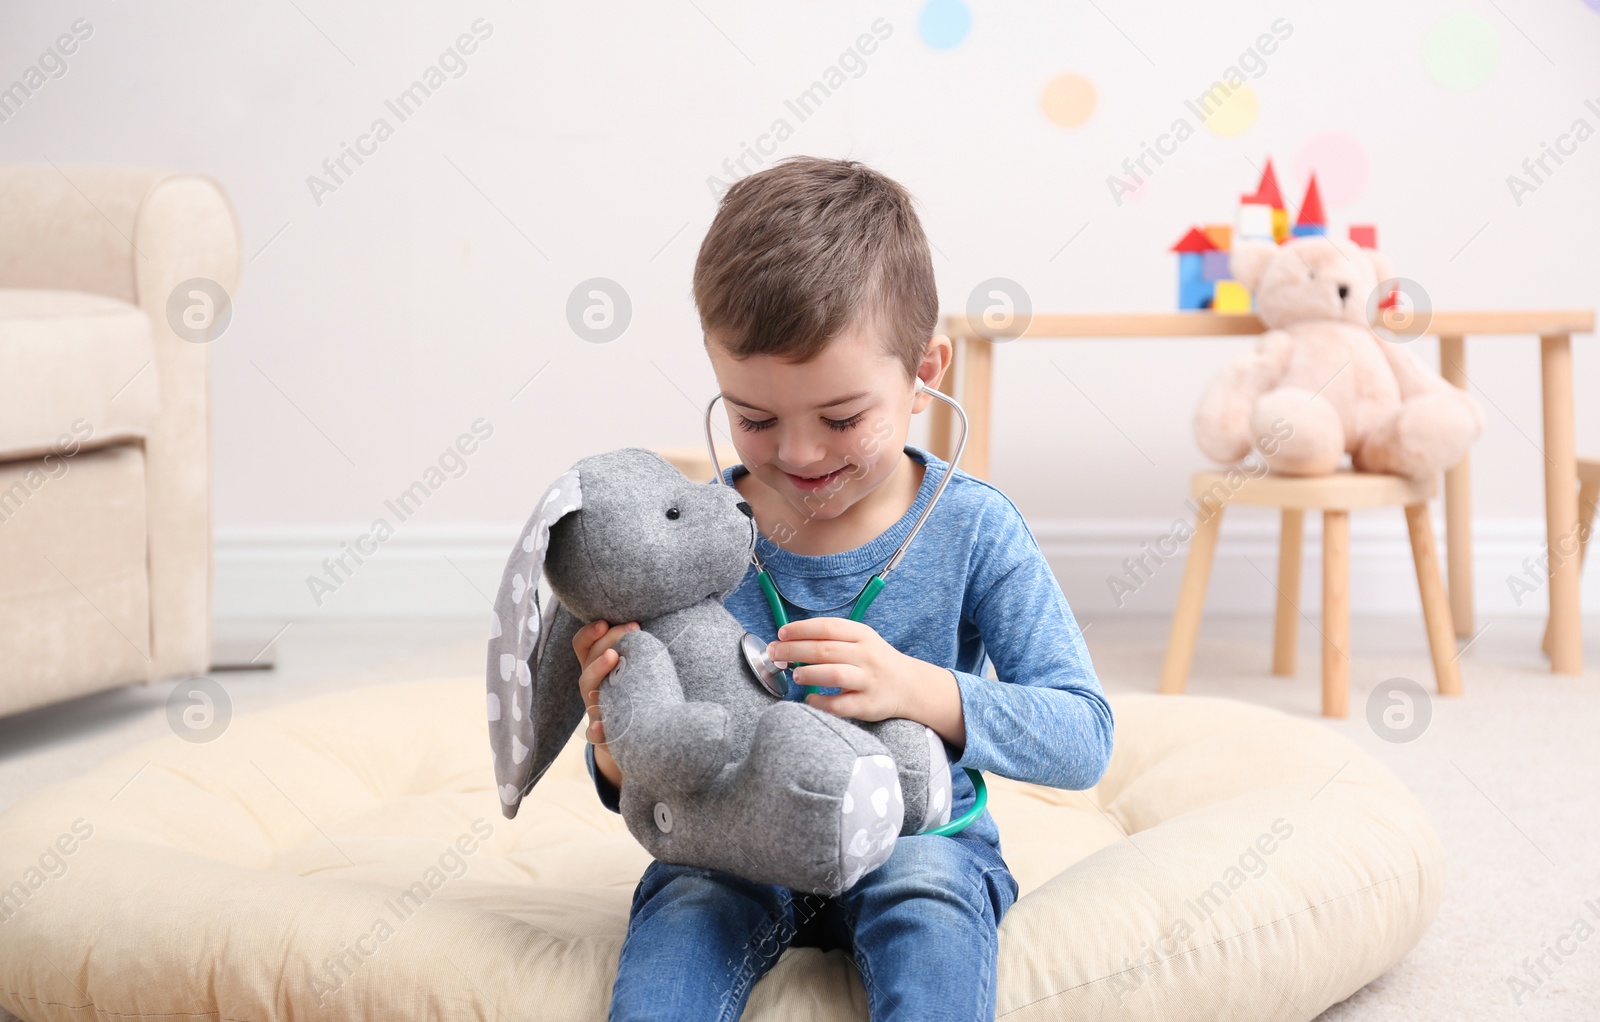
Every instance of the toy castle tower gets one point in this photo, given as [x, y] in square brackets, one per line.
[1261, 215]
[1204, 280]
[1311, 221]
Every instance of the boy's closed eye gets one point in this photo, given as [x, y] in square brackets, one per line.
[841, 425]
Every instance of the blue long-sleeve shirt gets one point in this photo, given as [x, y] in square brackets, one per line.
[973, 588]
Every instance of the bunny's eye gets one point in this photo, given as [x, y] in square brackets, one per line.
[672, 513]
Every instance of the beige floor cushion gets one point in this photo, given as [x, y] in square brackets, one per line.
[345, 858]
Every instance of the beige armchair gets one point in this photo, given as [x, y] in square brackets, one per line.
[105, 425]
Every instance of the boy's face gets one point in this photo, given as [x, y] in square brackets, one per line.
[843, 416]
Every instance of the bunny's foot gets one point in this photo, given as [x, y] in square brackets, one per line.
[837, 783]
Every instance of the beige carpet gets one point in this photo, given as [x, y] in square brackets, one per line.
[1509, 774]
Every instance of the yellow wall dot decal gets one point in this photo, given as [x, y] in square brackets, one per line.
[1236, 114]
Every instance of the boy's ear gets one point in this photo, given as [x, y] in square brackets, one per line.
[935, 363]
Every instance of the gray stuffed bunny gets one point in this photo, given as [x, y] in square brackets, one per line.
[717, 771]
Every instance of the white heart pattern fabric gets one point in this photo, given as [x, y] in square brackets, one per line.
[517, 632]
[874, 807]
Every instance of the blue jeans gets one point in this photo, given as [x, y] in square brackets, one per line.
[921, 930]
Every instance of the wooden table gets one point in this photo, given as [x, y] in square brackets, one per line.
[974, 362]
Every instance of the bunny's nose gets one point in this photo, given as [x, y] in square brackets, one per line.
[745, 507]
[1344, 292]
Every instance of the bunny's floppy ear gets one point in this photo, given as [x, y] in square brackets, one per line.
[532, 712]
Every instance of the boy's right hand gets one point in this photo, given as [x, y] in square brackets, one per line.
[593, 645]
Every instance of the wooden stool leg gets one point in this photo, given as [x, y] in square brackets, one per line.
[1588, 497]
[1435, 603]
[1286, 619]
[1191, 602]
[1335, 613]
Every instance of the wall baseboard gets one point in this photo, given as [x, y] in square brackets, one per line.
[453, 571]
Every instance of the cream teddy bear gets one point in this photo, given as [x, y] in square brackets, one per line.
[1336, 386]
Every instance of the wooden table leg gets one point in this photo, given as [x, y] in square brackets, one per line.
[1435, 606]
[1458, 501]
[1588, 504]
[942, 425]
[978, 354]
[1286, 619]
[1335, 613]
[1191, 601]
[1561, 504]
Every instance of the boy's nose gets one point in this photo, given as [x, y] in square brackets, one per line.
[745, 507]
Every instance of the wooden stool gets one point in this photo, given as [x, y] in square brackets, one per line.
[1588, 498]
[1335, 496]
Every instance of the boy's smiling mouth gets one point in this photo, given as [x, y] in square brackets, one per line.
[817, 481]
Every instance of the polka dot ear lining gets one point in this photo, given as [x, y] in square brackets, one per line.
[516, 639]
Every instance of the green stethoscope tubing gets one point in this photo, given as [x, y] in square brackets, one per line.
[870, 591]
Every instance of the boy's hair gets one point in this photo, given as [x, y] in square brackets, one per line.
[801, 251]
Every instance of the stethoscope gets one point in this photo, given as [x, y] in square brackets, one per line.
[776, 679]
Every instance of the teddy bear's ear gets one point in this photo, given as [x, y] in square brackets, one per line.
[531, 716]
[1382, 268]
[1249, 262]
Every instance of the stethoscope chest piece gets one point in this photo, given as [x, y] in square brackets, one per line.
[773, 678]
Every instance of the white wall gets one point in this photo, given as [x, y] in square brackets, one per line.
[372, 329]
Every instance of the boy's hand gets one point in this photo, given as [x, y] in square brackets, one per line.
[878, 680]
[593, 645]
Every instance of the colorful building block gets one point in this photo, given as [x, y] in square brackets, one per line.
[1216, 265]
[1194, 241]
[1311, 209]
[1231, 297]
[1255, 222]
[1365, 235]
[1267, 193]
[1220, 235]
[1194, 290]
[1280, 225]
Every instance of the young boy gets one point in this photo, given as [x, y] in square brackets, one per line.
[816, 293]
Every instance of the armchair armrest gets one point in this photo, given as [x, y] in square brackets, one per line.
[136, 233]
